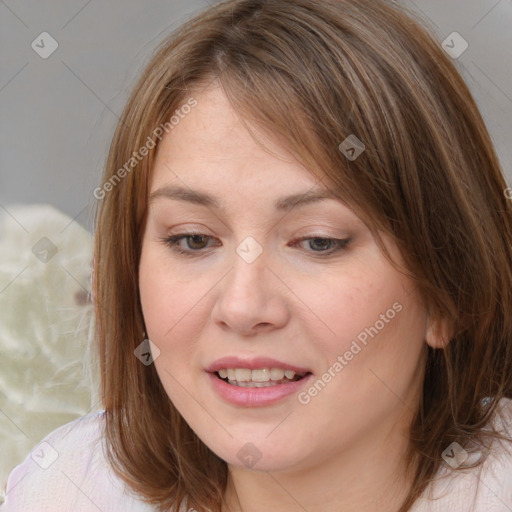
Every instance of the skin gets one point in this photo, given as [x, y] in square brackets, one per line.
[343, 450]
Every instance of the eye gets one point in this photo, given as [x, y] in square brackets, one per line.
[197, 240]
[195, 243]
[334, 244]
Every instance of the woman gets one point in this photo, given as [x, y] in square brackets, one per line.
[302, 279]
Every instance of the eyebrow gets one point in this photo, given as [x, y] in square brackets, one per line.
[285, 203]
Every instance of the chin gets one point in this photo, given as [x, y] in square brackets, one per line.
[259, 455]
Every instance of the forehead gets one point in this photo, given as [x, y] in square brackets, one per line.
[211, 148]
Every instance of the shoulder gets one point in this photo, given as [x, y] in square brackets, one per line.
[68, 470]
[485, 488]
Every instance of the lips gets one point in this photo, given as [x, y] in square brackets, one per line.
[256, 388]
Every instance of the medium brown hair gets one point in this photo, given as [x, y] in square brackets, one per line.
[311, 74]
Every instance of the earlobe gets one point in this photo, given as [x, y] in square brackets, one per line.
[438, 332]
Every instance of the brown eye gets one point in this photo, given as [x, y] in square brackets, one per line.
[196, 240]
[195, 243]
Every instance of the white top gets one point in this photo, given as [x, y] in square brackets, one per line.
[68, 471]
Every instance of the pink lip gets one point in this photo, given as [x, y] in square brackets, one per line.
[255, 397]
[253, 364]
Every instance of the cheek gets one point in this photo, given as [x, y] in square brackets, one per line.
[153, 296]
[173, 310]
[164, 299]
[371, 317]
[370, 363]
[166, 311]
[340, 307]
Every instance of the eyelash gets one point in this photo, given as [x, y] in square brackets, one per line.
[172, 242]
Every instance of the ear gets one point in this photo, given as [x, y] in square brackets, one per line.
[438, 332]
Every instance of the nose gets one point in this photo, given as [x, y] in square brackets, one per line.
[252, 297]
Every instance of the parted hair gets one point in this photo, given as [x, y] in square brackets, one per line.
[312, 73]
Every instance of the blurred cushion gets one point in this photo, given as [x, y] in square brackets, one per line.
[45, 325]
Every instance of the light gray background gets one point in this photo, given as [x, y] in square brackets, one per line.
[58, 114]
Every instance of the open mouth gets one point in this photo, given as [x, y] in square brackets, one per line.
[258, 378]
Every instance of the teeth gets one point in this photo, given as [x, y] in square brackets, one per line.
[253, 384]
[289, 374]
[242, 375]
[260, 377]
[276, 374]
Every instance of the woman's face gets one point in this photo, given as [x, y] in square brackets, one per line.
[263, 290]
